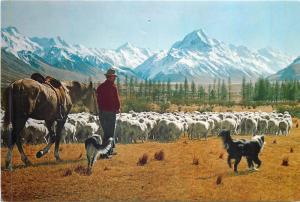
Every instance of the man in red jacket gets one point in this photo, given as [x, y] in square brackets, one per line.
[109, 105]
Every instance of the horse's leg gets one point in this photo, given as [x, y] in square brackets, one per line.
[51, 136]
[20, 148]
[59, 127]
[17, 126]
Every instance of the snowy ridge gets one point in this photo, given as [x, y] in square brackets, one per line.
[202, 58]
[12, 41]
[197, 56]
[58, 53]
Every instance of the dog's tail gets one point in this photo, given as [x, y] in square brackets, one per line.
[101, 148]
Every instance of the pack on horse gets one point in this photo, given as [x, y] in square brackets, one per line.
[43, 99]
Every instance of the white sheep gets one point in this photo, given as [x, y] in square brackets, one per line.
[229, 124]
[68, 133]
[198, 129]
[262, 126]
[273, 126]
[34, 132]
[283, 127]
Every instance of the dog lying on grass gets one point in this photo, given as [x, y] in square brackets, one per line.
[94, 148]
[236, 149]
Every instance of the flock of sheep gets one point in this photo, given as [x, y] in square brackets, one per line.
[135, 127]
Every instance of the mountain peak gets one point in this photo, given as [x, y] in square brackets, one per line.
[201, 34]
[11, 30]
[125, 46]
[62, 42]
[196, 40]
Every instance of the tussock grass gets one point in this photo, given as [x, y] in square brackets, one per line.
[81, 170]
[219, 180]
[195, 161]
[67, 172]
[285, 161]
[142, 160]
[159, 155]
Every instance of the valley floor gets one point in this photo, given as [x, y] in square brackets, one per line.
[174, 178]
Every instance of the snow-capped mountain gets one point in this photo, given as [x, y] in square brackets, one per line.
[60, 54]
[127, 55]
[12, 41]
[291, 72]
[197, 57]
[203, 59]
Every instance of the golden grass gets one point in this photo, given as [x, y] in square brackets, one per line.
[174, 178]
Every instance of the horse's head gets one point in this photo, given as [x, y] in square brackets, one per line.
[82, 94]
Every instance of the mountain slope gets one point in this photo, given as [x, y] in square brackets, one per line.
[12, 68]
[291, 72]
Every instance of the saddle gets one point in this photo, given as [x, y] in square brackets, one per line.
[59, 90]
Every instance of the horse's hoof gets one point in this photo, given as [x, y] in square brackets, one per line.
[89, 171]
[39, 154]
[8, 166]
[28, 163]
[58, 159]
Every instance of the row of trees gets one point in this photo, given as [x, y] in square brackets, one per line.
[265, 90]
[177, 93]
[220, 92]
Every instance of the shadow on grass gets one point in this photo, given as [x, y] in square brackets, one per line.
[45, 163]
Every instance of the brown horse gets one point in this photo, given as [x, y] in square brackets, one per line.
[27, 98]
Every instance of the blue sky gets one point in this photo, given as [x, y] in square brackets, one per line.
[157, 25]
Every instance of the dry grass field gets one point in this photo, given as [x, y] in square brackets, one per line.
[189, 170]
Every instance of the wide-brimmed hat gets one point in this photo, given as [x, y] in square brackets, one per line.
[110, 72]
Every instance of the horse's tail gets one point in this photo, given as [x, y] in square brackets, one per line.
[8, 105]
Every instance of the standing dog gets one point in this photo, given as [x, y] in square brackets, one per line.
[94, 148]
[236, 149]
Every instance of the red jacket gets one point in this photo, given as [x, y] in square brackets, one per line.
[108, 97]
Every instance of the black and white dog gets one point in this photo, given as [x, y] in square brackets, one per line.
[236, 149]
[94, 148]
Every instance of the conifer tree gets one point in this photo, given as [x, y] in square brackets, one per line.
[186, 88]
[131, 87]
[193, 89]
[243, 90]
[219, 90]
[169, 91]
[224, 92]
[229, 89]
